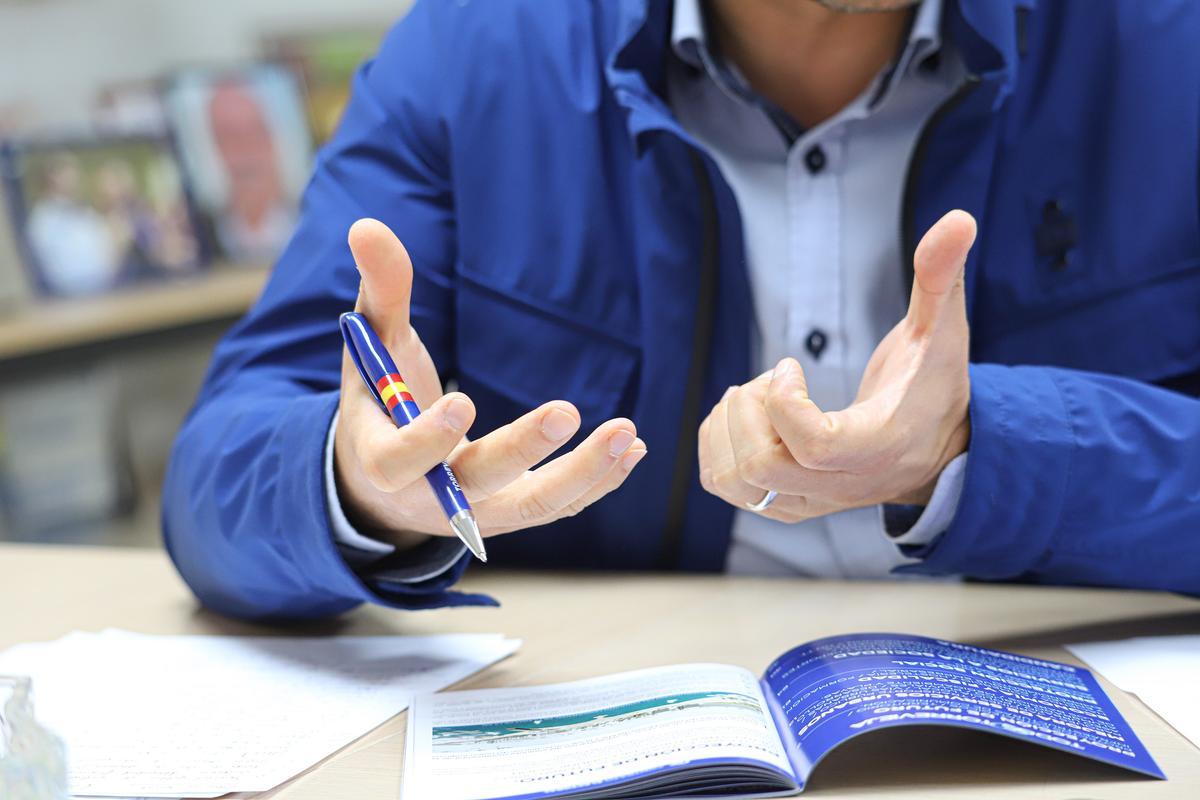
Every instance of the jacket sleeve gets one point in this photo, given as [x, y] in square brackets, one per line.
[1076, 478]
[244, 508]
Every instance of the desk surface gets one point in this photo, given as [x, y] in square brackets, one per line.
[584, 625]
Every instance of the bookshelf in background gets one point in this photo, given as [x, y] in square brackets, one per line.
[43, 326]
[92, 390]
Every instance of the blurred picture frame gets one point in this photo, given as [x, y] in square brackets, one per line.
[246, 150]
[98, 214]
[326, 61]
[14, 282]
[129, 108]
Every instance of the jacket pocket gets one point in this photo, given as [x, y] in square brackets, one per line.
[1149, 330]
[514, 356]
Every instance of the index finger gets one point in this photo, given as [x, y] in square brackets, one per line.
[762, 458]
[488, 464]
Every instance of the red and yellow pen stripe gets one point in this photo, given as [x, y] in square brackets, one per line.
[392, 390]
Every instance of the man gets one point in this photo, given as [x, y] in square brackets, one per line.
[73, 247]
[633, 206]
[257, 216]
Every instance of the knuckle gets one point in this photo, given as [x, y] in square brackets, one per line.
[524, 452]
[533, 507]
[797, 510]
[470, 481]
[776, 401]
[431, 441]
[600, 467]
[801, 507]
[523, 444]
[726, 482]
[757, 470]
[574, 508]
[815, 449]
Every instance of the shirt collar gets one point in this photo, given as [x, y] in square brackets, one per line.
[925, 36]
[687, 32]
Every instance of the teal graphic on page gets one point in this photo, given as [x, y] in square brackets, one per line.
[715, 730]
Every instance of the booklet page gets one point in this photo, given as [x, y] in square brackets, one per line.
[833, 689]
[545, 740]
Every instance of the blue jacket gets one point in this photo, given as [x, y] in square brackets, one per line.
[571, 241]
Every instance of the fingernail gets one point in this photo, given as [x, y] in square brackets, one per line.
[457, 413]
[619, 442]
[631, 459]
[557, 425]
[782, 368]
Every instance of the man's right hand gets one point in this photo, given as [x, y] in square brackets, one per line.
[381, 469]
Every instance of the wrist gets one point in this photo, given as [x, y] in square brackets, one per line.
[954, 445]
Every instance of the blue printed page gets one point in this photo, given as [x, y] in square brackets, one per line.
[831, 690]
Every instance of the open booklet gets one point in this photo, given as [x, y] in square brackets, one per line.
[718, 731]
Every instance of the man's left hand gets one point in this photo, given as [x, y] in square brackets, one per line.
[908, 421]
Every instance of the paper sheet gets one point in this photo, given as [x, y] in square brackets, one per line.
[201, 716]
[1161, 670]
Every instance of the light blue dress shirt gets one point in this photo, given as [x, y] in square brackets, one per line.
[822, 241]
[820, 213]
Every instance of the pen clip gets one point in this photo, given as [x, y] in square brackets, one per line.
[357, 333]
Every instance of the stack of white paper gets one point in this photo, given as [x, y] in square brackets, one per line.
[1161, 670]
[202, 716]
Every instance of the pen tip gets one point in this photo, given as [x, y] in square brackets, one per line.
[468, 531]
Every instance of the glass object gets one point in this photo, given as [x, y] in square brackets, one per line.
[33, 764]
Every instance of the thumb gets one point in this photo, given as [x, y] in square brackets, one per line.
[384, 294]
[939, 263]
[386, 277]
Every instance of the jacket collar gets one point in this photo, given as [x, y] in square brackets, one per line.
[986, 34]
[636, 68]
[984, 31]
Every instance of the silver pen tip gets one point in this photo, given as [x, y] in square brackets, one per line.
[467, 530]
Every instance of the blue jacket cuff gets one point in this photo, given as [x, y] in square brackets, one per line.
[311, 554]
[1016, 477]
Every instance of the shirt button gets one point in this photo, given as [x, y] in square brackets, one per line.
[816, 342]
[814, 159]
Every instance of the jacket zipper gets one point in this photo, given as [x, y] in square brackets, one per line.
[702, 334]
[908, 214]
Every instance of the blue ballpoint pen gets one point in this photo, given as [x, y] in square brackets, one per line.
[383, 380]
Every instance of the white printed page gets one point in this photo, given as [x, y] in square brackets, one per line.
[534, 741]
[1164, 671]
[201, 716]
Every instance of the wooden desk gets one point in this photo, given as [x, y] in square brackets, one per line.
[583, 625]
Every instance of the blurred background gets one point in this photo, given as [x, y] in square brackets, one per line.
[151, 158]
